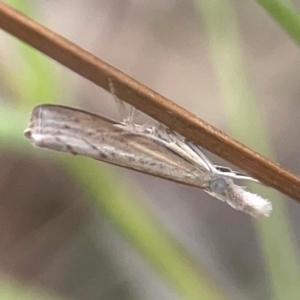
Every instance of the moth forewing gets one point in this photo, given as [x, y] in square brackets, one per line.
[78, 132]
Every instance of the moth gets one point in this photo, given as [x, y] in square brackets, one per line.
[151, 149]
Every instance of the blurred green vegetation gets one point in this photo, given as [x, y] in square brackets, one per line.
[276, 238]
[12, 290]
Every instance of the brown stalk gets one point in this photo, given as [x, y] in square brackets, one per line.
[148, 101]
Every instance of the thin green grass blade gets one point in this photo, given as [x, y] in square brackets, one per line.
[285, 14]
[37, 76]
[131, 216]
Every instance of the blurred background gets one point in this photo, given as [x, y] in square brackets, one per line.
[74, 228]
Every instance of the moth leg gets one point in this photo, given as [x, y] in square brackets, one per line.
[147, 128]
[163, 133]
[133, 113]
[128, 117]
[203, 157]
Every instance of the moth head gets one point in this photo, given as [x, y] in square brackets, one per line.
[218, 185]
